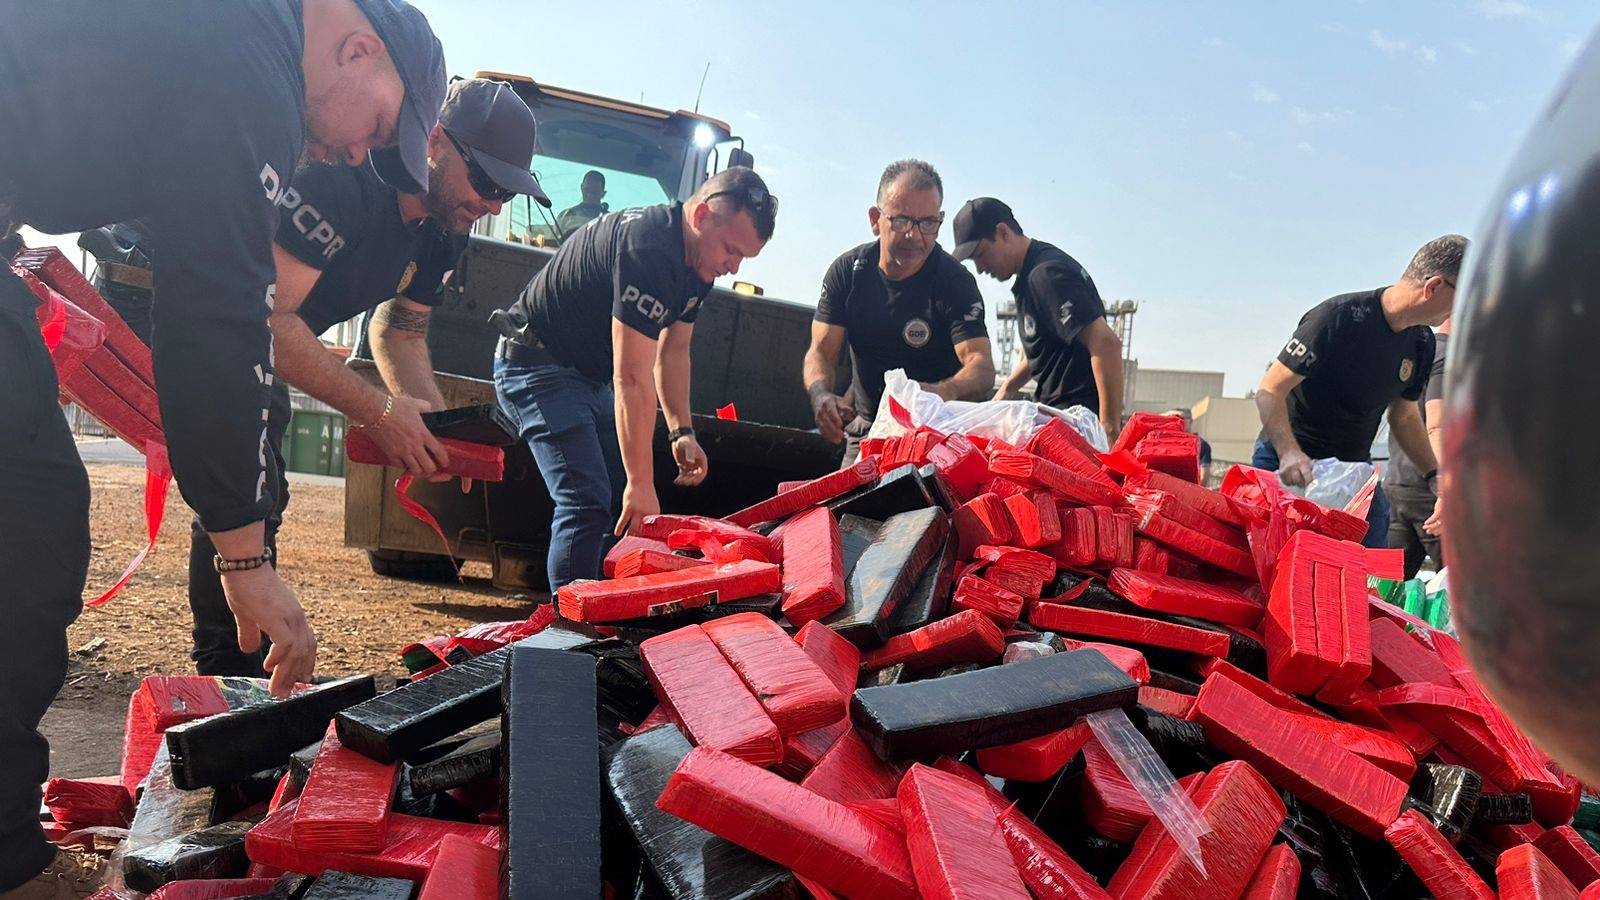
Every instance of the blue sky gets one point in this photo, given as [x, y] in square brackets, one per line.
[1228, 165]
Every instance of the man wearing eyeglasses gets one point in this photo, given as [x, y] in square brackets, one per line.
[1354, 357]
[348, 241]
[900, 302]
[601, 333]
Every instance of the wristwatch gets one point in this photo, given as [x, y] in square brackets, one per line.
[675, 434]
[241, 565]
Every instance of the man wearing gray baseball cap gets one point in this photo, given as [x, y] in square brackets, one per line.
[349, 242]
[192, 115]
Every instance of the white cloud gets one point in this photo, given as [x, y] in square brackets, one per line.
[1389, 45]
[1504, 9]
[1262, 94]
[1427, 54]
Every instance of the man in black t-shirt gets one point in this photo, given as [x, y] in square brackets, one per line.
[900, 302]
[1067, 346]
[616, 306]
[1414, 497]
[191, 113]
[347, 242]
[1354, 357]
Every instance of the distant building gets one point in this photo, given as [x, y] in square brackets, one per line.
[1230, 425]
[1158, 390]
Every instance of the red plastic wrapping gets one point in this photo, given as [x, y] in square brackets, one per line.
[1061, 444]
[962, 464]
[407, 852]
[1149, 556]
[1046, 868]
[1035, 759]
[1524, 873]
[1042, 473]
[1442, 870]
[345, 804]
[1244, 814]
[1171, 703]
[650, 561]
[1169, 506]
[1034, 521]
[1212, 503]
[1005, 488]
[1003, 607]
[1142, 423]
[661, 527]
[1277, 878]
[1023, 572]
[88, 802]
[839, 659]
[1077, 547]
[1399, 658]
[813, 577]
[822, 840]
[1571, 854]
[626, 545]
[666, 592]
[487, 637]
[850, 771]
[464, 869]
[1345, 786]
[1316, 630]
[1113, 538]
[1127, 659]
[1132, 629]
[968, 636]
[1112, 806]
[802, 752]
[477, 461]
[981, 520]
[212, 889]
[954, 838]
[1176, 453]
[1164, 593]
[797, 695]
[688, 673]
[1202, 547]
[811, 493]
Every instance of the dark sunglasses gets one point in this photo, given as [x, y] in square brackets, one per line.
[478, 178]
[757, 200]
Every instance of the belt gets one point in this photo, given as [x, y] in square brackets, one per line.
[520, 354]
[126, 275]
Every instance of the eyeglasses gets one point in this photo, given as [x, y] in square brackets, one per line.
[478, 178]
[929, 225]
[757, 200]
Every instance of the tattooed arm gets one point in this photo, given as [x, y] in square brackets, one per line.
[399, 335]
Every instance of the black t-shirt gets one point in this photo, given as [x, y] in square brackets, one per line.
[345, 222]
[1354, 365]
[628, 265]
[1402, 471]
[190, 114]
[1056, 299]
[912, 324]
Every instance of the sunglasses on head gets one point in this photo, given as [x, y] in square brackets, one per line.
[478, 178]
[755, 199]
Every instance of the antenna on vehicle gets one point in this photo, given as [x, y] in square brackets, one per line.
[702, 90]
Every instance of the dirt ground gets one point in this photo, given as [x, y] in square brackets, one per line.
[361, 619]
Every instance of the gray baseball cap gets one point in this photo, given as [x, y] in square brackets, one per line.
[419, 60]
[498, 128]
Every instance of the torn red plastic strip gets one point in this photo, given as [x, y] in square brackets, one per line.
[729, 413]
[419, 512]
[479, 462]
[157, 479]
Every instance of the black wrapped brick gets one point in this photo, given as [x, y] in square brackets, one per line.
[886, 574]
[900, 490]
[215, 852]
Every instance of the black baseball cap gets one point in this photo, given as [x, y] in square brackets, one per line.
[498, 126]
[975, 222]
[419, 59]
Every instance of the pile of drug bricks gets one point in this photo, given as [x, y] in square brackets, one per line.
[883, 683]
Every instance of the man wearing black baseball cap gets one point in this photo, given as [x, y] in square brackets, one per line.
[349, 242]
[1067, 345]
[191, 114]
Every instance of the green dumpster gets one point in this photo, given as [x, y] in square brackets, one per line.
[315, 443]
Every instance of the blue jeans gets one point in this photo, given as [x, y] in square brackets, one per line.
[570, 425]
[1266, 457]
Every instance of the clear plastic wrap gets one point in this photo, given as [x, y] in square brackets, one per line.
[1334, 482]
[1012, 421]
[1139, 763]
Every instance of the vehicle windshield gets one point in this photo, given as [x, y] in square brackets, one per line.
[590, 163]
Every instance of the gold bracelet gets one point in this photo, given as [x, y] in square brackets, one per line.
[388, 407]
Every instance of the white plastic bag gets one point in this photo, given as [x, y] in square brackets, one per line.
[1012, 421]
[1334, 482]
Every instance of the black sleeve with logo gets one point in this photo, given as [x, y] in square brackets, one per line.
[1067, 300]
[1315, 336]
[322, 213]
[960, 302]
[1427, 358]
[647, 293]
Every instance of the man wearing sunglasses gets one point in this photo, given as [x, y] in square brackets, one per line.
[1354, 357]
[599, 335]
[349, 241]
[900, 302]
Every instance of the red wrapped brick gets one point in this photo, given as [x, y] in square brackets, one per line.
[1042, 473]
[1244, 814]
[795, 692]
[840, 660]
[962, 465]
[1149, 556]
[1077, 548]
[1442, 870]
[345, 803]
[1164, 593]
[1524, 873]
[710, 700]
[1571, 854]
[1061, 444]
[408, 850]
[1381, 749]
[968, 636]
[1399, 658]
[1171, 703]
[1046, 868]
[1316, 629]
[813, 577]
[1131, 629]
[661, 527]
[1127, 659]
[476, 461]
[1200, 546]
[1113, 538]
[650, 561]
[1005, 488]
[954, 839]
[1142, 423]
[1277, 878]
[811, 493]
[1034, 521]
[628, 544]
[88, 802]
[1003, 607]
[981, 520]
[850, 771]
[1169, 506]
[822, 840]
[463, 870]
[1212, 503]
[1355, 792]
[1176, 453]
[1035, 759]
[1111, 805]
[645, 595]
